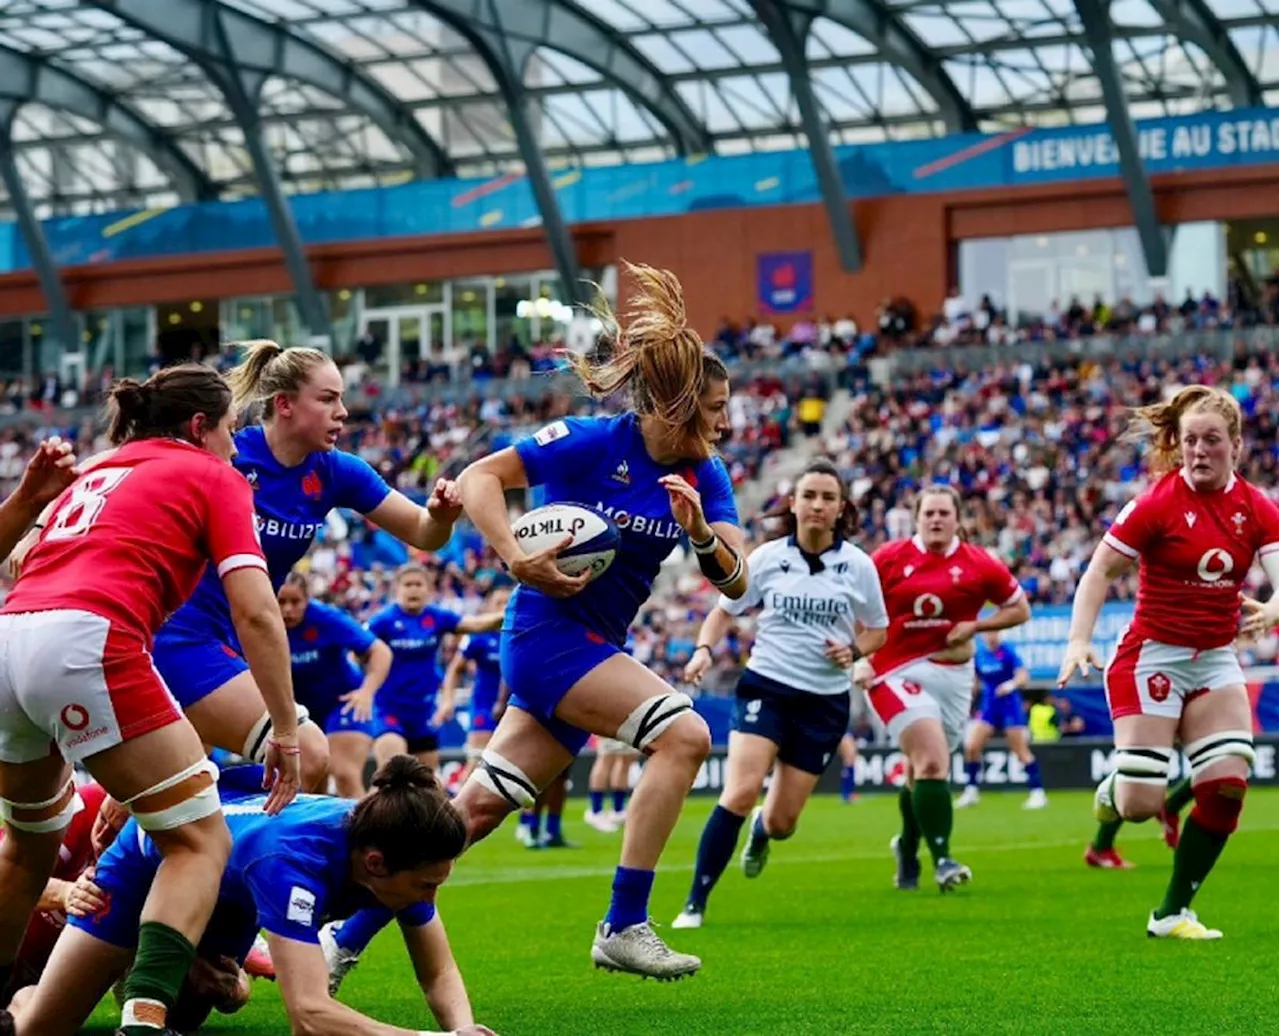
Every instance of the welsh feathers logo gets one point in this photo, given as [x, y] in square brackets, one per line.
[311, 485]
[1159, 686]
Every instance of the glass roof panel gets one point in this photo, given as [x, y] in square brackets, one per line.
[1013, 61]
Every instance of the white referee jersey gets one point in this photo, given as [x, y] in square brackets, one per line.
[801, 612]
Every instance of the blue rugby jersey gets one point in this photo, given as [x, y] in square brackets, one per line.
[995, 667]
[414, 640]
[320, 648]
[290, 507]
[602, 462]
[484, 650]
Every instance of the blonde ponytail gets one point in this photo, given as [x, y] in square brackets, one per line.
[269, 369]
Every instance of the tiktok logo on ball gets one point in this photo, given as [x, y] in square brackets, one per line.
[1215, 565]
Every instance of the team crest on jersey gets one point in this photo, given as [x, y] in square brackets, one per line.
[956, 573]
[622, 474]
[311, 634]
[427, 622]
[1159, 686]
[311, 485]
[690, 476]
[785, 566]
[1238, 519]
[1190, 516]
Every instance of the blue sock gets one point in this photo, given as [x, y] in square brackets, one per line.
[553, 825]
[971, 770]
[597, 801]
[846, 781]
[630, 902]
[526, 818]
[620, 799]
[715, 850]
[535, 824]
[1034, 780]
[358, 930]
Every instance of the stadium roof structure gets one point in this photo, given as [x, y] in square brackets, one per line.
[109, 104]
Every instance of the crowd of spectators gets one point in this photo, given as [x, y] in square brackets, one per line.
[1037, 451]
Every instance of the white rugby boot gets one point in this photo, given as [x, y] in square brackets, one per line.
[638, 950]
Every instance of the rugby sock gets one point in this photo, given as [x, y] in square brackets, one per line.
[553, 825]
[620, 796]
[932, 802]
[1198, 850]
[151, 988]
[597, 801]
[1034, 780]
[715, 850]
[358, 930]
[535, 825]
[630, 903]
[1105, 839]
[527, 817]
[971, 770]
[1180, 795]
[846, 781]
[909, 842]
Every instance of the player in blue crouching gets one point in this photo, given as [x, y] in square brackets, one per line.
[319, 858]
[405, 712]
[653, 469]
[1002, 677]
[338, 694]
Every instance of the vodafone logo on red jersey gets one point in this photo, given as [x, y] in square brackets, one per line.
[927, 606]
[1215, 565]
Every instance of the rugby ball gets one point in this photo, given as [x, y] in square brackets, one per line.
[595, 536]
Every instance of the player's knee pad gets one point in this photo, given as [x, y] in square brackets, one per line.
[505, 779]
[652, 717]
[1143, 766]
[202, 803]
[1219, 802]
[57, 822]
[255, 745]
[1209, 749]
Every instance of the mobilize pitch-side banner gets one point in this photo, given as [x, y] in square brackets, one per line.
[1073, 763]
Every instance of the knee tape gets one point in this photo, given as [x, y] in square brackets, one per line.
[201, 804]
[1209, 749]
[1219, 802]
[505, 780]
[1148, 766]
[653, 716]
[57, 822]
[255, 745]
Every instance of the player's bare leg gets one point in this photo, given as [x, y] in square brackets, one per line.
[776, 820]
[387, 746]
[1020, 744]
[620, 698]
[975, 741]
[348, 753]
[141, 772]
[80, 971]
[1217, 737]
[231, 716]
[746, 767]
[597, 788]
[928, 802]
[38, 804]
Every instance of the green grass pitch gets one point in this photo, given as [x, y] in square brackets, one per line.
[822, 943]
